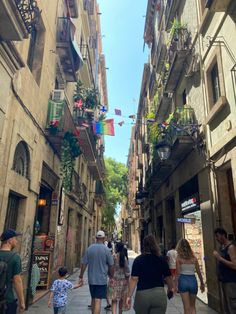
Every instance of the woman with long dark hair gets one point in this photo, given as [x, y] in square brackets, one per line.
[148, 271]
[118, 285]
[186, 266]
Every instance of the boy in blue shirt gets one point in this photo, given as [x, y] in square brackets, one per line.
[59, 292]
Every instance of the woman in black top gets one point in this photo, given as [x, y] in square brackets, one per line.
[148, 272]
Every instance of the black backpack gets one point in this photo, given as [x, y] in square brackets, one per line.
[3, 278]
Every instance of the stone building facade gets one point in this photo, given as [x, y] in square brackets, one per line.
[185, 142]
[44, 51]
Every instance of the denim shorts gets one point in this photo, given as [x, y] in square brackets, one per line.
[98, 291]
[187, 283]
[60, 310]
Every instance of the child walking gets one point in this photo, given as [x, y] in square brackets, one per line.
[59, 292]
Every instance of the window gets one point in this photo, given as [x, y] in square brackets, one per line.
[21, 159]
[36, 50]
[215, 83]
[12, 212]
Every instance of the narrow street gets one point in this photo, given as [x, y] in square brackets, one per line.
[80, 299]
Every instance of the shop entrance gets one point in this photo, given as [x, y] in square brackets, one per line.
[192, 223]
[43, 245]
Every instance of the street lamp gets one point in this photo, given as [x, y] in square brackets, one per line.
[163, 146]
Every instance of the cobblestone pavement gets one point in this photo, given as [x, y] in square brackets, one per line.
[80, 298]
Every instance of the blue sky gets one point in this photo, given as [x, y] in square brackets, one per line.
[122, 23]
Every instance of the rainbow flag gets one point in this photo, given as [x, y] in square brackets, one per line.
[105, 127]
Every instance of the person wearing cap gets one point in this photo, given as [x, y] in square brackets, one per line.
[100, 263]
[14, 281]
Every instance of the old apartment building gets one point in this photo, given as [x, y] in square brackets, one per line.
[51, 163]
[184, 144]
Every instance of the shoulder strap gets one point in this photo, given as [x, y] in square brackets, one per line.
[9, 258]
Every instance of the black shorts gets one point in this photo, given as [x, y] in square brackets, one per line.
[98, 291]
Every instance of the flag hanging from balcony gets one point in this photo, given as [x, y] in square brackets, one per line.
[105, 127]
[117, 112]
[55, 113]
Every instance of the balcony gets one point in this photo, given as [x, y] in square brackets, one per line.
[179, 50]
[17, 17]
[78, 189]
[99, 193]
[59, 121]
[164, 105]
[182, 144]
[86, 70]
[170, 10]
[161, 52]
[73, 7]
[218, 5]
[68, 49]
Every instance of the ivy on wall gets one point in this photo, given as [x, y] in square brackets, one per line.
[70, 149]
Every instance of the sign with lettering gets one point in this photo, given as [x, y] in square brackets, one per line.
[190, 204]
[186, 220]
[43, 261]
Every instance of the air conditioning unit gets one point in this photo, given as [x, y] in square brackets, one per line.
[58, 95]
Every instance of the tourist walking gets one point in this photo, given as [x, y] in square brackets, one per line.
[59, 292]
[171, 259]
[100, 262]
[226, 266]
[186, 265]
[118, 285]
[10, 275]
[148, 272]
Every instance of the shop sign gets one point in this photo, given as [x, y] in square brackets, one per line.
[186, 220]
[190, 204]
[43, 261]
[54, 199]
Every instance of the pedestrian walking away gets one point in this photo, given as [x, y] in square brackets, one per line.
[186, 265]
[226, 269]
[118, 285]
[11, 286]
[59, 292]
[148, 271]
[100, 263]
[171, 259]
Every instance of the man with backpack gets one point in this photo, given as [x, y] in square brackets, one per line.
[11, 285]
[226, 260]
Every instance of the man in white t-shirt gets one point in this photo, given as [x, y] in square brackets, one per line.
[171, 258]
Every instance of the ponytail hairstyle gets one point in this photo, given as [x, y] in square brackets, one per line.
[120, 250]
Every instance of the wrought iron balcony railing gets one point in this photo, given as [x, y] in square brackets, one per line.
[29, 12]
[68, 49]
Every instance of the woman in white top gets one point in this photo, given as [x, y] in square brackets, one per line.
[186, 265]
